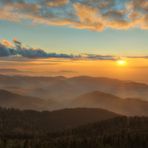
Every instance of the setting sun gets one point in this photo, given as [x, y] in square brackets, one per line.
[121, 62]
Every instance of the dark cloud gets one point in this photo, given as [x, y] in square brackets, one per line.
[100, 57]
[19, 50]
[25, 52]
[5, 51]
[138, 57]
[82, 14]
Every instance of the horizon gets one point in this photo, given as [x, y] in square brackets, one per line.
[134, 70]
[69, 77]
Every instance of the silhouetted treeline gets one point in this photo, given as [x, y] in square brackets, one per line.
[29, 121]
[118, 132]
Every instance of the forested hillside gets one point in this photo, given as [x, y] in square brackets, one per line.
[31, 129]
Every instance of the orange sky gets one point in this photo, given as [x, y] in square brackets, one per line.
[136, 69]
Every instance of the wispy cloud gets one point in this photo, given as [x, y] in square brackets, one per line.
[138, 57]
[82, 14]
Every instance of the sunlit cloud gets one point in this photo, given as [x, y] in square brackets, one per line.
[57, 3]
[94, 15]
[7, 43]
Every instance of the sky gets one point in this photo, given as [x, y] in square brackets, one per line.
[96, 33]
[70, 40]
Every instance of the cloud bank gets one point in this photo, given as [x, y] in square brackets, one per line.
[94, 15]
[8, 49]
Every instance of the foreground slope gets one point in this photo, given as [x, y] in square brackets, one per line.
[28, 121]
[120, 132]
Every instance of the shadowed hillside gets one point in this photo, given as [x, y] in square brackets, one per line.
[118, 132]
[12, 100]
[28, 121]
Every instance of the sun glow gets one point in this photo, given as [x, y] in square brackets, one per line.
[121, 62]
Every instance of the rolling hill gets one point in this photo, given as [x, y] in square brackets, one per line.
[12, 100]
[129, 106]
[29, 121]
[62, 88]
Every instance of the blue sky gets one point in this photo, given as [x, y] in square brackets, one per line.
[78, 26]
[75, 37]
[68, 40]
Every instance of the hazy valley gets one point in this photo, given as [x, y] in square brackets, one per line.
[52, 93]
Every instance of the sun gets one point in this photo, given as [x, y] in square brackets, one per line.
[121, 62]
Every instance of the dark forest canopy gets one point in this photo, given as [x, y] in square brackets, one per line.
[32, 129]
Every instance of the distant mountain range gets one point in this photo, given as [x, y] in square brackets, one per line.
[66, 88]
[12, 100]
[129, 106]
[51, 93]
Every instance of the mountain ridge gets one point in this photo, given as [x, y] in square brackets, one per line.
[129, 106]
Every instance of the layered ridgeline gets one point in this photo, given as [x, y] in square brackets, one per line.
[51, 93]
[13, 100]
[95, 99]
[62, 88]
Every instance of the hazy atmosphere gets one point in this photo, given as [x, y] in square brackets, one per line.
[74, 73]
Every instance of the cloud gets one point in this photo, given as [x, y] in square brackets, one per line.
[57, 3]
[18, 50]
[89, 17]
[94, 15]
[7, 43]
[5, 51]
[138, 57]
[99, 57]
